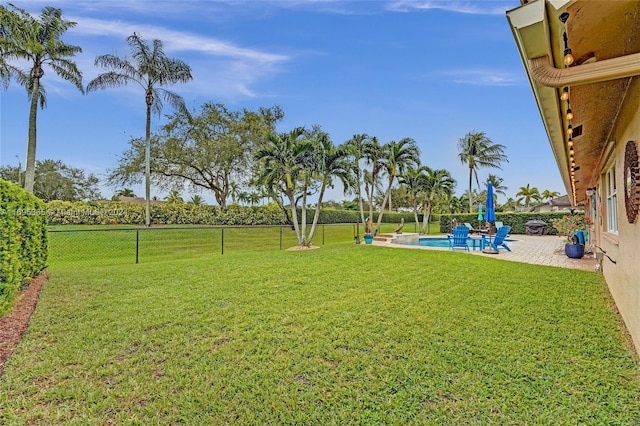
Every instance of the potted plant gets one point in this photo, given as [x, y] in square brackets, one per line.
[568, 226]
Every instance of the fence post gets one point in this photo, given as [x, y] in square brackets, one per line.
[222, 241]
[280, 237]
[137, 244]
[323, 234]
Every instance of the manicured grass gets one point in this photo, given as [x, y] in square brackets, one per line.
[344, 334]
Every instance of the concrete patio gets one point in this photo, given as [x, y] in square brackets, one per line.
[537, 249]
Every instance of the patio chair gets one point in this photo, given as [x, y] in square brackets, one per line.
[471, 228]
[498, 240]
[498, 224]
[459, 238]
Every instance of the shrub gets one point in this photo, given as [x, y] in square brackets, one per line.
[23, 240]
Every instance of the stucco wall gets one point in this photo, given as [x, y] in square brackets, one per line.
[623, 278]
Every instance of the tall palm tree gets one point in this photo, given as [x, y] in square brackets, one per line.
[332, 162]
[411, 180]
[174, 197]
[399, 156]
[527, 194]
[125, 192]
[284, 160]
[356, 147]
[196, 200]
[373, 154]
[477, 150]
[434, 184]
[37, 42]
[150, 69]
[498, 187]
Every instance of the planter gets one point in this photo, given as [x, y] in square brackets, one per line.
[574, 251]
[368, 238]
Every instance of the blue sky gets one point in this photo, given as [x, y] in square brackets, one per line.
[429, 70]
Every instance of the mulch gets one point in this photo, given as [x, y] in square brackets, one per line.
[15, 323]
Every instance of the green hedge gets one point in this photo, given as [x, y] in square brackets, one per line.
[121, 213]
[23, 240]
[517, 221]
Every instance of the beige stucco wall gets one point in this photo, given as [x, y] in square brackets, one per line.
[623, 278]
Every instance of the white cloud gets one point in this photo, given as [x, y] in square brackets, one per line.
[482, 77]
[469, 7]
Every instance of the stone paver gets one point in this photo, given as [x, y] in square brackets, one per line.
[537, 249]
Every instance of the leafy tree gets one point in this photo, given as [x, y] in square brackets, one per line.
[208, 149]
[399, 156]
[151, 69]
[477, 150]
[125, 192]
[36, 42]
[527, 194]
[54, 180]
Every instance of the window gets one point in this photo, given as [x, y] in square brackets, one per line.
[612, 200]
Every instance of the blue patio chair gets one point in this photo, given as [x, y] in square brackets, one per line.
[498, 239]
[459, 238]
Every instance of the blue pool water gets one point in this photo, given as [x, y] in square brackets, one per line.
[443, 242]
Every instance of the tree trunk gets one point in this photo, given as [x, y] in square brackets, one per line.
[387, 196]
[294, 217]
[470, 181]
[30, 166]
[316, 215]
[147, 163]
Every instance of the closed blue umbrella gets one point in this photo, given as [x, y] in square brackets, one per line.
[480, 212]
[490, 215]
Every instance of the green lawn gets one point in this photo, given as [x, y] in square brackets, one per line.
[344, 334]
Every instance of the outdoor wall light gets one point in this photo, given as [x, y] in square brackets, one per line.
[565, 93]
[568, 56]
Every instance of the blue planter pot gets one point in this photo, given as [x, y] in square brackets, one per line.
[574, 251]
[368, 238]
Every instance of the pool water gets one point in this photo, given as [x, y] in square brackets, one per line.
[442, 242]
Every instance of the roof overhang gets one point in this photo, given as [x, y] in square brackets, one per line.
[603, 38]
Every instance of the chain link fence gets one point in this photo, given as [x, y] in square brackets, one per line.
[110, 246]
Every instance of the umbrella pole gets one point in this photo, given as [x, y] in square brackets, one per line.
[490, 250]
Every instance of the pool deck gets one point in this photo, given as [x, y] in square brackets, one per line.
[537, 249]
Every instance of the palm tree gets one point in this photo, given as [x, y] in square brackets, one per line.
[411, 180]
[174, 197]
[125, 192]
[526, 194]
[37, 42]
[373, 154]
[356, 147]
[197, 200]
[399, 156]
[151, 68]
[549, 195]
[477, 150]
[498, 187]
[332, 162]
[284, 160]
[434, 185]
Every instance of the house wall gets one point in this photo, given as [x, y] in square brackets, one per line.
[623, 278]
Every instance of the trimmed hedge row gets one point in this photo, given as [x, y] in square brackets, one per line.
[122, 213]
[23, 240]
[517, 221]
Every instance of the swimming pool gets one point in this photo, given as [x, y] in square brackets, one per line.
[443, 242]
